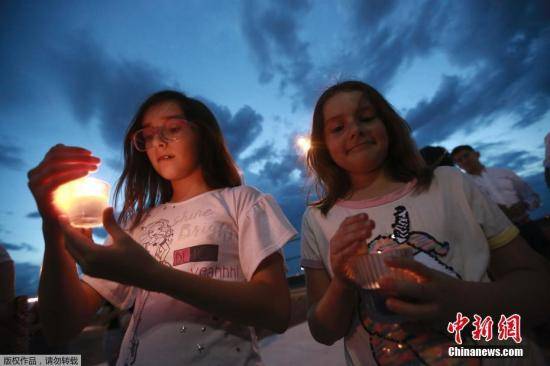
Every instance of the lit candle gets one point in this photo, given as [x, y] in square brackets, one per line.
[367, 270]
[83, 201]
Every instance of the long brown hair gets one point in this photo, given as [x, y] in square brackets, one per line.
[403, 162]
[143, 187]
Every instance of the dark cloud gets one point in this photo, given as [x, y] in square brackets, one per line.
[381, 44]
[27, 277]
[448, 110]
[239, 129]
[16, 56]
[17, 247]
[385, 37]
[503, 49]
[513, 160]
[33, 215]
[370, 14]
[100, 86]
[271, 30]
[279, 167]
[97, 85]
[260, 154]
[486, 146]
[506, 45]
[10, 157]
[94, 83]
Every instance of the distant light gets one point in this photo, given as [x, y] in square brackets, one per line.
[304, 144]
[31, 300]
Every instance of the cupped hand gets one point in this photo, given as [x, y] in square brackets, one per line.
[60, 165]
[422, 293]
[125, 261]
[347, 242]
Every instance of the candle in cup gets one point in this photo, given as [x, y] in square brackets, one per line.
[83, 201]
[367, 270]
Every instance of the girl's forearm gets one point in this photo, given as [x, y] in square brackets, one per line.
[255, 304]
[64, 305]
[330, 318]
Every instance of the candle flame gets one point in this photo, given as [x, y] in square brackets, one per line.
[66, 194]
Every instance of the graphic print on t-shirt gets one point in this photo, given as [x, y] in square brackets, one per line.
[157, 238]
[197, 253]
[390, 343]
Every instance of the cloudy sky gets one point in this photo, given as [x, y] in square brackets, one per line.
[73, 72]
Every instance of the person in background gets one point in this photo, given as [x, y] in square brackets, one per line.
[547, 160]
[435, 156]
[7, 276]
[7, 295]
[513, 195]
[13, 310]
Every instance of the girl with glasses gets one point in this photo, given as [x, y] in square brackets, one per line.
[197, 254]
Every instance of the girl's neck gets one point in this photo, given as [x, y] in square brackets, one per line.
[372, 185]
[189, 187]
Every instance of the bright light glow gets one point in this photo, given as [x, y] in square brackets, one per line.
[304, 144]
[83, 201]
[30, 300]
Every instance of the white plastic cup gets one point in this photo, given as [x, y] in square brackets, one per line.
[83, 201]
[367, 270]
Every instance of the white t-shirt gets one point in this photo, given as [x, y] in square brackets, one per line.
[222, 234]
[451, 228]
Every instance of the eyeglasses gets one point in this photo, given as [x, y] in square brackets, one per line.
[172, 130]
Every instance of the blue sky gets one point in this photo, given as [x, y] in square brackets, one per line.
[73, 72]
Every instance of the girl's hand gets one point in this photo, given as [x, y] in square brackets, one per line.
[347, 242]
[429, 295]
[60, 165]
[125, 261]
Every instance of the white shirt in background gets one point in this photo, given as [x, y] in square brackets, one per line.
[506, 188]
